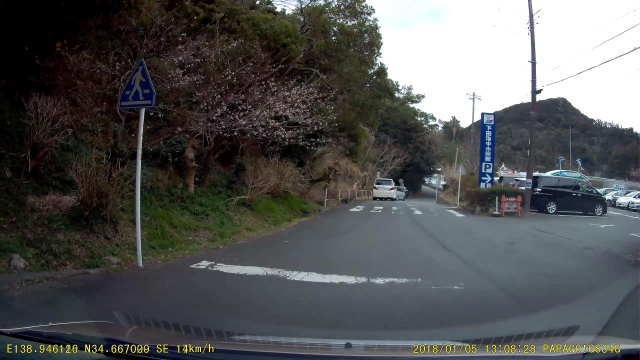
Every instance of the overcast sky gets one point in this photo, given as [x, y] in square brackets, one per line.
[448, 48]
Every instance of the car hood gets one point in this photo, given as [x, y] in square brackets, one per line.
[564, 324]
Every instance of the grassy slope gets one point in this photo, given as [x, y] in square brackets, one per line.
[174, 224]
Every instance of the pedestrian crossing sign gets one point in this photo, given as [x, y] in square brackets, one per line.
[138, 92]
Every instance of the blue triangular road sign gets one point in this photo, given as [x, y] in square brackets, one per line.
[138, 92]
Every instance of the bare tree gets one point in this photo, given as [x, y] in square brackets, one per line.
[388, 155]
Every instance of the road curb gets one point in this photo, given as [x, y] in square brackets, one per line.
[13, 282]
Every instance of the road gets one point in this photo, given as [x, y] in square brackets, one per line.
[405, 270]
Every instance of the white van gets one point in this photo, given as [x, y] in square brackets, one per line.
[384, 189]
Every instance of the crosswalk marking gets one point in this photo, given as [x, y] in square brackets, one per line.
[455, 213]
[399, 210]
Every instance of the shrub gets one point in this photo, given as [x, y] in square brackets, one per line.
[102, 186]
[271, 176]
[486, 198]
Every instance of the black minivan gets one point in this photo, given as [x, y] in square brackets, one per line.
[554, 193]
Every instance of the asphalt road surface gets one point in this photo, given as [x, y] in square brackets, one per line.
[393, 270]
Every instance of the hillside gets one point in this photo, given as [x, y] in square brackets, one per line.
[605, 149]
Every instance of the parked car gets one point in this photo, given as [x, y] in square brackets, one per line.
[512, 181]
[634, 204]
[384, 189]
[611, 198]
[605, 191]
[623, 201]
[401, 193]
[566, 173]
[555, 193]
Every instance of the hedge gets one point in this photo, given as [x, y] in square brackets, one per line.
[486, 198]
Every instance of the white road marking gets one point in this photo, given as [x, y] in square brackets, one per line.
[636, 235]
[416, 211]
[452, 287]
[602, 226]
[357, 208]
[629, 216]
[299, 275]
[377, 209]
[455, 213]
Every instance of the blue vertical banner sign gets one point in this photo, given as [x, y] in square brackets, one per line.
[487, 149]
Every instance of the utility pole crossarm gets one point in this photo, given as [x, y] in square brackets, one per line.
[473, 97]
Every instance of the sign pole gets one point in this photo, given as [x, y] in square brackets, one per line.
[138, 93]
[459, 182]
[138, 184]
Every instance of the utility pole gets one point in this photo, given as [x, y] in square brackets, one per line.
[532, 113]
[570, 159]
[474, 137]
[473, 97]
[455, 163]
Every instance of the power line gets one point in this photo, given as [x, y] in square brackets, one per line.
[615, 36]
[627, 14]
[593, 67]
[601, 24]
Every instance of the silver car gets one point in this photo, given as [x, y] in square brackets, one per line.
[623, 201]
[612, 197]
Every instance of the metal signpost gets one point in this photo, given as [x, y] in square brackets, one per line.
[138, 93]
[560, 160]
[487, 150]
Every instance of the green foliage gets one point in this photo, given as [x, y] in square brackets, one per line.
[412, 130]
[277, 33]
[176, 220]
[283, 209]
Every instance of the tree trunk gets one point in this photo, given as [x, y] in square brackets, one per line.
[190, 165]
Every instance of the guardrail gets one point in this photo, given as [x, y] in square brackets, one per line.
[346, 195]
